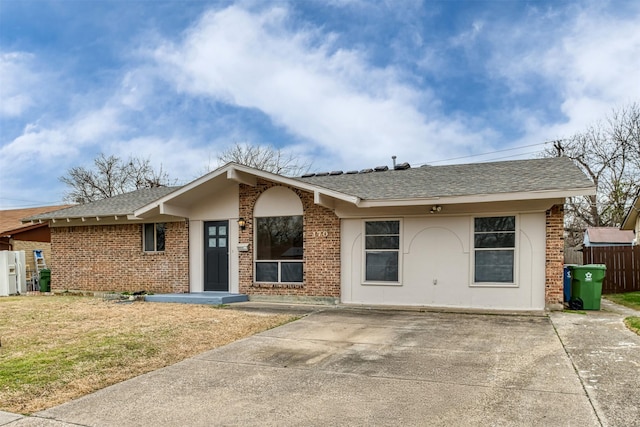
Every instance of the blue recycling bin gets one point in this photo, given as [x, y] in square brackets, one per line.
[567, 281]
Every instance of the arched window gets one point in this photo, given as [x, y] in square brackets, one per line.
[278, 234]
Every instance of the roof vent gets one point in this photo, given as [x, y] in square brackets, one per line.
[323, 174]
[333, 173]
[308, 175]
[402, 166]
[381, 168]
[366, 170]
[351, 172]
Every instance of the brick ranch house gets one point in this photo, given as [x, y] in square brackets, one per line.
[481, 236]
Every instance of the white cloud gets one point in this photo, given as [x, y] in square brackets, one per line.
[467, 38]
[590, 62]
[597, 63]
[18, 80]
[303, 80]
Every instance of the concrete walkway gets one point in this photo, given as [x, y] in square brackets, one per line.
[606, 356]
[368, 367]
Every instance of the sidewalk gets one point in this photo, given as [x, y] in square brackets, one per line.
[606, 357]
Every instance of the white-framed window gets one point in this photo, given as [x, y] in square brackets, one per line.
[494, 249]
[382, 251]
[279, 249]
[153, 237]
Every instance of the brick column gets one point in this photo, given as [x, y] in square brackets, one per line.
[554, 267]
[321, 242]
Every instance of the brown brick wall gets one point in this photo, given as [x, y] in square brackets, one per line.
[111, 258]
[321, 244]
[554, 257]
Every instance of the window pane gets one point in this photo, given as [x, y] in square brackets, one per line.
[212, 242]
[494, 266]
[148, 237]
[291, 272]
[212, 230]
[160, 237]
[382, 266]
[222, 230]
[266, 272]
[279, 238]
[495, 240]
[222, 242]
[383, 242]
[382, 227]
[496, 223]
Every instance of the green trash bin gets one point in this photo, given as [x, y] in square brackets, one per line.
[586, 285]
[45, 280]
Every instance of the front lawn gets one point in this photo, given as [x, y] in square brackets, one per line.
[57, 348]
[631, 300]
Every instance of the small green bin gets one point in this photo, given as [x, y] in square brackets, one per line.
[45, 280]
[586, 284]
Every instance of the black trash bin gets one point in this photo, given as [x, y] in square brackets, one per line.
[45, 280]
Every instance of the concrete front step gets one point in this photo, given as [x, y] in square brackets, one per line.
[210, 298]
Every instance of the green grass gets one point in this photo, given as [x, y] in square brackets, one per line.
[57, 348]
[629, 299]
[633, 323]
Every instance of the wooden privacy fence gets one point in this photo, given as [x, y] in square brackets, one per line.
[623, 267]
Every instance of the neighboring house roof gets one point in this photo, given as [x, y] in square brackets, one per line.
[427, 182]
[19, 230]
[120, 205]
[632, 216]
[608, 235]
[10, 219]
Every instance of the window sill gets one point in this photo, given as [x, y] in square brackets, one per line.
[278, 285]
[494, 285]
[381, 284]
[152, 253]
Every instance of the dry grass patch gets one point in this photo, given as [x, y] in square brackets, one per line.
[54, 349]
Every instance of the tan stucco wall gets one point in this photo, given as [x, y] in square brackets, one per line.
[437, 262]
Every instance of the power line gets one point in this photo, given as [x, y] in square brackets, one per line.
[491, 152]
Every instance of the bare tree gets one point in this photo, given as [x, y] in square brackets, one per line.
[609, 153]
[111, 176]
[265, 158]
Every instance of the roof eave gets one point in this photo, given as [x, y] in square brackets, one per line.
[632, 216]
[478, 198]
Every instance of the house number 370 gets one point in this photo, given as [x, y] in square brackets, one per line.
[319, 233]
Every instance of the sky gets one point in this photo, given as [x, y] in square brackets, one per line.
[339, 84]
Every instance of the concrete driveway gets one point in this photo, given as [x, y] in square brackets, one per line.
[366, 367]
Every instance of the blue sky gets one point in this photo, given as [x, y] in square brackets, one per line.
[343, 84]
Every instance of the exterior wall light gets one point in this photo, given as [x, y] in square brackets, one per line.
[242, 223]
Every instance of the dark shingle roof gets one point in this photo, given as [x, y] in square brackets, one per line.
[546, 174]
[123, 204]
